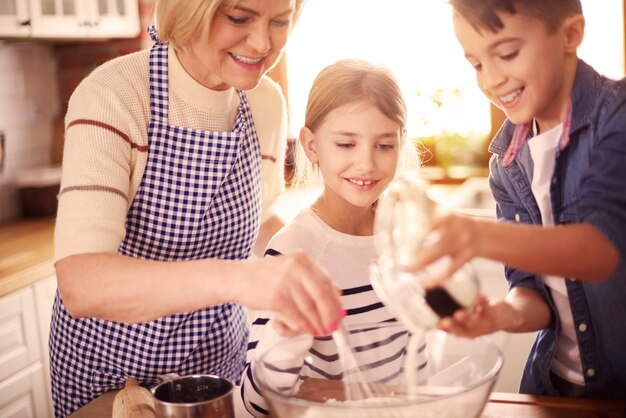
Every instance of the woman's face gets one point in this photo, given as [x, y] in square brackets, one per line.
[244, 42]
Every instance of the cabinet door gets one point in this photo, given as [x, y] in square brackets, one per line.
[115, 18]
[14, 18]
[19, 342]
[45, 290]
[60, 18]
[23, 394]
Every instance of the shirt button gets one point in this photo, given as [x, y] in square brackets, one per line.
[517, 217]
[582, 327]
[591, 372]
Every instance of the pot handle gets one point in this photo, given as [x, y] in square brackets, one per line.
[167, 377]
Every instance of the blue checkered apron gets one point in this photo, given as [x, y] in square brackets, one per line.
[199, 198]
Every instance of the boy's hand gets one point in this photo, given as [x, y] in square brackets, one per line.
[452, 236]
[485, 318]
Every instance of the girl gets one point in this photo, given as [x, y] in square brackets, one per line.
[353, 136]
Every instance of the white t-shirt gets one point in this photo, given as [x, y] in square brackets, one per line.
[566, 363]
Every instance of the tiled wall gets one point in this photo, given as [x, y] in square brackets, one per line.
[36, 82]
[29, 104]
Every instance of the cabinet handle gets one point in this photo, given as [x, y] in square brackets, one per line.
[25, 22]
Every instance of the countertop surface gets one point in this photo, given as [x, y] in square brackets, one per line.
[26, 252]
[500, 405]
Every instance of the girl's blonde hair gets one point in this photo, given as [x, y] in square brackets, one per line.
[179, 21]
[350, 81]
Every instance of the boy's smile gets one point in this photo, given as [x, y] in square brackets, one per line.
[522, 69]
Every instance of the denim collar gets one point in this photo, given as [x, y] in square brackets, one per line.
[583, 98]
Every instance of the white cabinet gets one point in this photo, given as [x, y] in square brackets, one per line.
[69, 19]
[14, 18]
[120, 17]
[24, 394]
[44, 291]
[24, 375]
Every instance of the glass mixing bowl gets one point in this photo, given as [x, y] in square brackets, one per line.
[453, 376]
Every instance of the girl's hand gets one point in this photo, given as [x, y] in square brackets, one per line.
[486, 317]
[299, 291]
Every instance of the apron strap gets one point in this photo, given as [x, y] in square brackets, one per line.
[159, 81]
[154, 35]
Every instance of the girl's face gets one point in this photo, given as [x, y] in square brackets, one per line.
[245, 41]
[520, 68]
[357, 149]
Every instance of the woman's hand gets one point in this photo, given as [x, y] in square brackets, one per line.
[299, 291]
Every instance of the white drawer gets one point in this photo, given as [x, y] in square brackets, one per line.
[19, 342]
[23, 395]
[44, 291]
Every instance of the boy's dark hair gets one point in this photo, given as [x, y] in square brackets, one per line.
[484, 13]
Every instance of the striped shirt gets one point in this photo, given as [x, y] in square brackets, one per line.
[382, 350]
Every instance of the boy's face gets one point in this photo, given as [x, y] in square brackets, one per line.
[520, 68]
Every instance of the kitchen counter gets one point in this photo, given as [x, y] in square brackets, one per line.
[500, 405]
[26, 253]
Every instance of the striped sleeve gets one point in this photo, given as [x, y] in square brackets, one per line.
[288, 359]
[103, 144]
[286, 355]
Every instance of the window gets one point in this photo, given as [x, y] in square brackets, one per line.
[415, 39]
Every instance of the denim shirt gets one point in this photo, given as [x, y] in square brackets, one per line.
[588, 186]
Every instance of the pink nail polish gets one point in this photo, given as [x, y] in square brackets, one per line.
[342, 313]
[333, 327]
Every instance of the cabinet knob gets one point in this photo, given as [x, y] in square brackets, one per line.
[24, 22]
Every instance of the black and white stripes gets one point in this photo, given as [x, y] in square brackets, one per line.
[378, 341]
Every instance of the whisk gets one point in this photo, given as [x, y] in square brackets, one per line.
[357, 387]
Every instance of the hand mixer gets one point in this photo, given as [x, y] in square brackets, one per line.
[403, 216]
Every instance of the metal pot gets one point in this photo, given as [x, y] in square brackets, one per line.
[194, 396]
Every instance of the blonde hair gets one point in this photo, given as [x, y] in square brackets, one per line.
[350, 81]
[179, 21]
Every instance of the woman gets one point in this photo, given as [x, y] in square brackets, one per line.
[169, 168]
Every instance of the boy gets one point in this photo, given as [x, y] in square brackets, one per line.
[558, 175]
